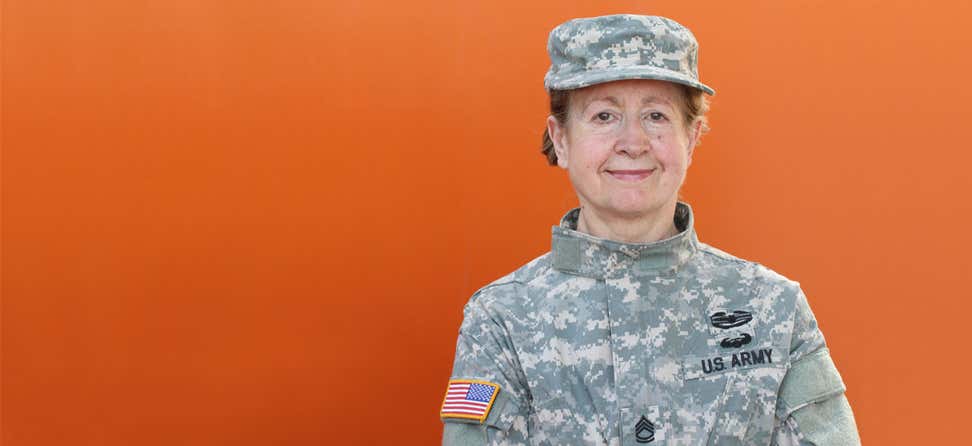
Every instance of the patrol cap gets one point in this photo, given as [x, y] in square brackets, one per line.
[588, 51]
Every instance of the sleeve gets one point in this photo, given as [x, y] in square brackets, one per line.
[485, 355]
[812, 408]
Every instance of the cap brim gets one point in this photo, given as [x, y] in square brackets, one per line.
[588, 78]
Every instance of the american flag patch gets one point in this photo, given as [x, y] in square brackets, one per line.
[469, 399]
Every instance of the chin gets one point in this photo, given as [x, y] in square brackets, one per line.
[638, 203]
[632, 210]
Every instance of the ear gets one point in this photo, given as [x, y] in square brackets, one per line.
[558, 135]
[695, 132]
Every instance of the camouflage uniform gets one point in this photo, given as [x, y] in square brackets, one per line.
[674, 342]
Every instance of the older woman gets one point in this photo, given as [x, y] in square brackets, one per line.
[631, 331]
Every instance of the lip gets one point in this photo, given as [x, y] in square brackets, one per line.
[631, 175]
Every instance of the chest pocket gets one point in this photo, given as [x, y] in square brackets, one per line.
[558, 420]
[732, 395]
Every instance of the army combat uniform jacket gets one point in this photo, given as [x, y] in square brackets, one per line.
[667, 343]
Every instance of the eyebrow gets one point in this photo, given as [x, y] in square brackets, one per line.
[614, 101]
[653, 99]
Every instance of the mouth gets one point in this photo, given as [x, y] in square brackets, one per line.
[631, 175]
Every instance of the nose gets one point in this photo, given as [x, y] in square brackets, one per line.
[634, 139]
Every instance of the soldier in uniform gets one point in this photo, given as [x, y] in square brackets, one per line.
[631, 331]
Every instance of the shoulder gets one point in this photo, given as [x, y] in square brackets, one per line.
[754, 285]
[782, 306]
[761, 276]
[511, 291]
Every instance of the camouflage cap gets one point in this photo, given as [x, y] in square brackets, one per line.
[595, 50]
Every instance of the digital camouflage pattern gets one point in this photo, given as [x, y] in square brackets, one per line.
[590, 51]
[673, 342]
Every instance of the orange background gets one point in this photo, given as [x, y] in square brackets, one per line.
[254, 223]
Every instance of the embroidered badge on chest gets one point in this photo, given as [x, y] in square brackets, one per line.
[644, 431]
[737, 318]
[469, 399]
[758, 357]
[736, 342]
[731, 327]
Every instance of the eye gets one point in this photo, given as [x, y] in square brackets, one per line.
[603, 117]
[656, 116]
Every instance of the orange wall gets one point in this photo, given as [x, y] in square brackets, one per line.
[256, 223]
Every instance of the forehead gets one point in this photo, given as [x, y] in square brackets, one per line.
[630, 90]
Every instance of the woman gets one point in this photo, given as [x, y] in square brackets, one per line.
[631, 331]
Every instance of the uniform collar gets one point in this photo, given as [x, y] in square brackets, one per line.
[582, 254]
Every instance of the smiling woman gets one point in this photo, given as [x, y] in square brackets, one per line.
[626, 149]
[631, 330]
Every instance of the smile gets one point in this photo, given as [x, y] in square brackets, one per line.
[631, 176]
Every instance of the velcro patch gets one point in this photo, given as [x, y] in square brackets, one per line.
[739, 360]
[469, 399]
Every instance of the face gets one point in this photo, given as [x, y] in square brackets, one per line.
[626, 147]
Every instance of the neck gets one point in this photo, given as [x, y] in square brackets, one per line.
[640, 229]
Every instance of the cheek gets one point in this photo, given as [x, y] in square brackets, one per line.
[674, 154]
[589, 155]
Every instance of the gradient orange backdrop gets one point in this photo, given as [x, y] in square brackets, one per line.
[252, 223]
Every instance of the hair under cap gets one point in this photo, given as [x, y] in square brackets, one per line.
[595, 50]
